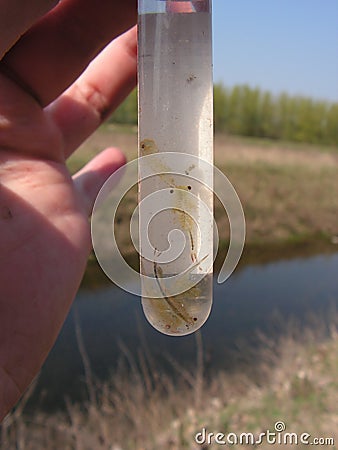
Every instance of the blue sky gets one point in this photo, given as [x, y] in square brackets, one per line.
[278, 45]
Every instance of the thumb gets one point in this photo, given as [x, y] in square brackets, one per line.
[89, 180]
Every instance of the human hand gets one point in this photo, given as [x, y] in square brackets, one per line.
[49, 104]
[186, 7]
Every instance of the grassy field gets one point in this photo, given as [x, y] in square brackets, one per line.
[289, 194]
[288, 191]
[293, 379]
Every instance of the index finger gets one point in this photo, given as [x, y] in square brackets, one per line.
[187, 6]
[51, 55]
[17, 16]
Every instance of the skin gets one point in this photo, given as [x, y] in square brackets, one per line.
[187, 7]
[57, 85]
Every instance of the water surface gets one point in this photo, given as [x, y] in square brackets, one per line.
[257, 297]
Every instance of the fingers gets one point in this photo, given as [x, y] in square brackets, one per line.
[187, 6]
[17, 16]
[179, 7]
[52, 54]
[100, 89]
[89, 180]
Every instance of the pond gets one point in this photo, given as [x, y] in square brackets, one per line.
[256, 297]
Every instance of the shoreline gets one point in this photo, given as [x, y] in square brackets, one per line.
[254, 254]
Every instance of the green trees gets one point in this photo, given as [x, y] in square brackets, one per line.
[247, 111]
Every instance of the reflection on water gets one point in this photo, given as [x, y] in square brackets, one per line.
[249, 300]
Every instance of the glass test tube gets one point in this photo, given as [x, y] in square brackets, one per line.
[175, 115]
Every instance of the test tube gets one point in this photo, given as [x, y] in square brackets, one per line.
[175, 117]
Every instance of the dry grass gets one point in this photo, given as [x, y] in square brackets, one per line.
[229, 149]
[293, 379]
[288, 191]
[289, 194]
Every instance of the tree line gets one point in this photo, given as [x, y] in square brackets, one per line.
[246, 111]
